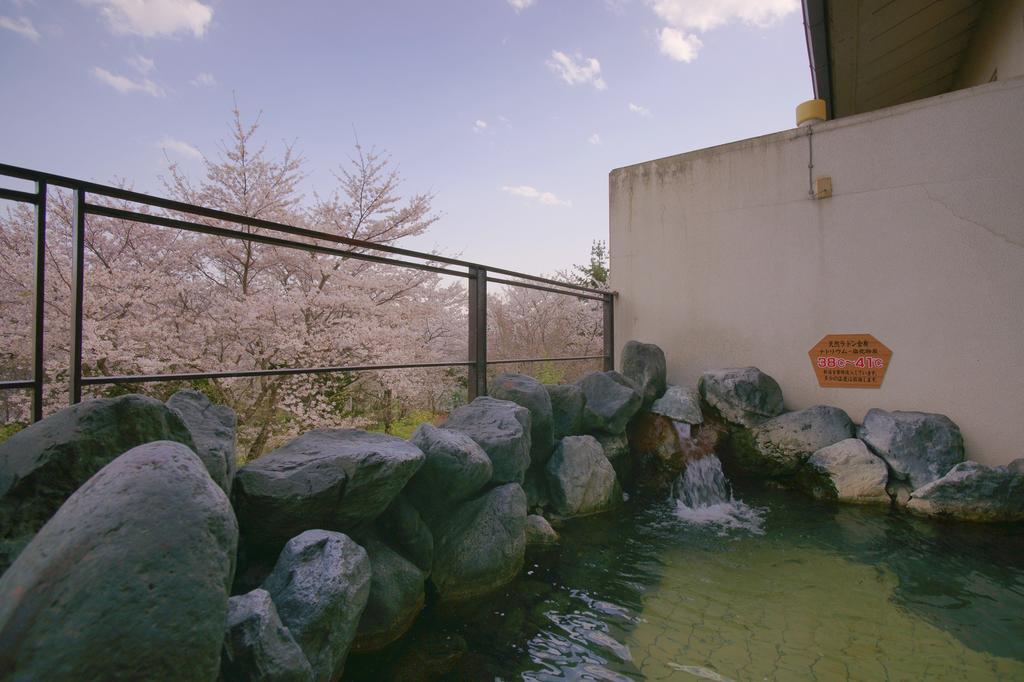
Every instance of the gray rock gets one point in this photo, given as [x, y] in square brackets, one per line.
[566, 409]
[502, 429]
[581, 480]
[614, 445]
[973, 492]
[320, 586]
[611, 400]
[644, 365]
[330, 479]
[745, 396]
[396, 598]
[257, 646]
[455, 468]
[213, 432]
[41, 465]
[680, 404]
[780, 446]
[129, 579]
[530, 393]
[919, 447]
[539, 532]
[402, 527]
[846, 471]
[480, 547]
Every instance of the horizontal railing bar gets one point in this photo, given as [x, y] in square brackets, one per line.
[242, 374]
[110, 212]
[546, 280]
[512, 362]
[11, 385]
[18, 195]
[170, 204]
[539, 287]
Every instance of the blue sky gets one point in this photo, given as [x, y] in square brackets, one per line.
[511, 111]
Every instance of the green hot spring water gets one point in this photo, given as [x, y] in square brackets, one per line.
[777, 587]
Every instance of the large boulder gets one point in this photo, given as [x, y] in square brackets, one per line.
[480, 546]
[973, 492]
[454, 469]
[531, 394]
[40, 466]
[780, 446]
[329, 479]
[396, 598]
[539, 532]
[846, 471]
[502, 429]
[744, 396]
[130, 578]
[257, 646]
[566, 409]
[610, 401]
[213, 432]
[644, 365]
[320, 586]
[581, 480]
[919, 447]
[680, 404]
[402, 527]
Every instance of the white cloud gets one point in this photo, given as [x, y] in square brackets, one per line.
[594, 139]
[682, 47]
[155, 18]
[520, 5]
[687, 18]
[125, 84]
[576, 70]
[479, 126]
[141, 64]
[22, 26]
[546, 198]
[203, 80]
[642, 111]
[179, 147]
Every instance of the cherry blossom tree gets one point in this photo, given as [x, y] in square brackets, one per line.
[162, 300]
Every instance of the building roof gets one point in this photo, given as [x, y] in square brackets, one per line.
[870, 54]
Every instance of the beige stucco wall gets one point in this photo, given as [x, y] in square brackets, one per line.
[998, 45]
[721, 257]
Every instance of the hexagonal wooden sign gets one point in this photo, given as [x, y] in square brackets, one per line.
[850, 361]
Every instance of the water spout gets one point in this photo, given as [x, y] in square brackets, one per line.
[703, 497]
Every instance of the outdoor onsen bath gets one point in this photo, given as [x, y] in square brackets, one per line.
[615, 528]
[512, 340]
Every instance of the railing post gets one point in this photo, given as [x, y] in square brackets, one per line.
[477, 332]
[39, 296]
[77, 294]
[609, 332]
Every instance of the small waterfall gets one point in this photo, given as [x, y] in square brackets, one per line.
[703, 497]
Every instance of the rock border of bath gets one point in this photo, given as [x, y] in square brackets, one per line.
[334, 542]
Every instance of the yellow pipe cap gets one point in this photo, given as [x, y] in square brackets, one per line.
[811, 111]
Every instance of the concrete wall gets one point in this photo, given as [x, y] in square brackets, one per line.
[722, 258]
[997, 46]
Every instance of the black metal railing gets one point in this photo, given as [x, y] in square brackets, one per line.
[476, 274]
